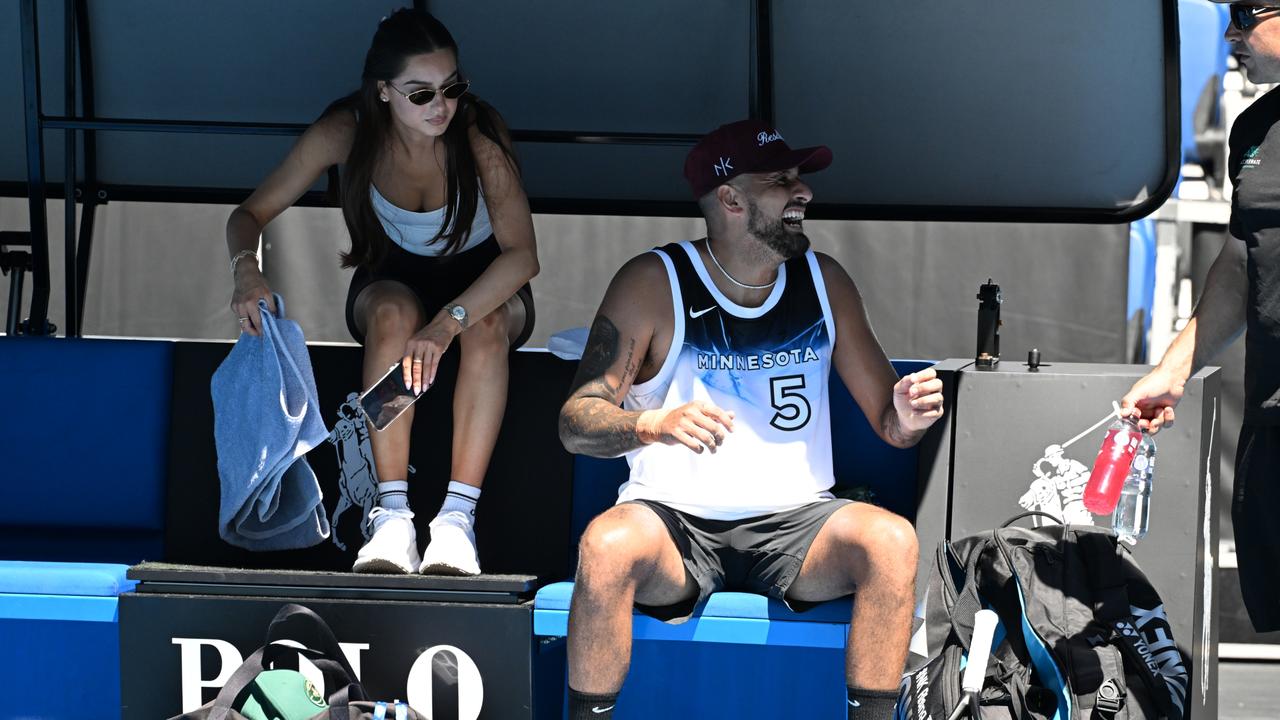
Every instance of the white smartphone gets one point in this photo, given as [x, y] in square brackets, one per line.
[387, 399]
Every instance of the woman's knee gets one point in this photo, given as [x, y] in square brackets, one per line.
[392, 316]
[489, 332]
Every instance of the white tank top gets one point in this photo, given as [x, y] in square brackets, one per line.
[414, 231]
[770, 366]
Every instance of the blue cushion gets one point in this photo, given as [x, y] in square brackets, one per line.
[722, 604]
[726, 617]
[92, 435]
[59, 578]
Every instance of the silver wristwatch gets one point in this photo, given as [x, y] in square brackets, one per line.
[457, 312]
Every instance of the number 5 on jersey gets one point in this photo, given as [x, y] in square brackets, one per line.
[786, 397]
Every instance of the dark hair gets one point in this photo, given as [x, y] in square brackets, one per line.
[405, 33]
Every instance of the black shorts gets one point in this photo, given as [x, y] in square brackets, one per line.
[759, 555]
[1253, 509]
[435, 280]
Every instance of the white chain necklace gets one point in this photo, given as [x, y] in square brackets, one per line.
[734, 280]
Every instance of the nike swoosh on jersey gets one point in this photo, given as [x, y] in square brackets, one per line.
[695, 315]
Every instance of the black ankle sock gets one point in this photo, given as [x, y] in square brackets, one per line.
[584, 706]
[872, 704]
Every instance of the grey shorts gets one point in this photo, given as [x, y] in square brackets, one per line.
[759, 555]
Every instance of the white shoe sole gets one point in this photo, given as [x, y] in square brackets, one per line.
[442, 568]
[380, 566]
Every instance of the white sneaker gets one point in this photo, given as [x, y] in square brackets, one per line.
[452, 550]
[394, 545]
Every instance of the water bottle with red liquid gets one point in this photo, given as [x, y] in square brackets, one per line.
[1112, 466]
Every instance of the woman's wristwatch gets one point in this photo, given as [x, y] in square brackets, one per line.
[457, 312]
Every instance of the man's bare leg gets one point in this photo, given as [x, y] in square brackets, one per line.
[626, 556]
[870, 551]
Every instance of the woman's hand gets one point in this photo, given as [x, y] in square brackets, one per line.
[422, 352]
[250, 287]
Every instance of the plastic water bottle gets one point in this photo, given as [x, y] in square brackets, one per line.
[1133, 511]
[1112, 466]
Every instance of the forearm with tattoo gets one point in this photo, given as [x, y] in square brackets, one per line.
[591, 421]
[894, 433]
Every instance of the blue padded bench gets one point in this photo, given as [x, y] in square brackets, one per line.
[62, 647]
[727, 617]
[737, 641]
[85, 462]
[83, 473]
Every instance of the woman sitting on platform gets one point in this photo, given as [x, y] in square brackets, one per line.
[443, 248]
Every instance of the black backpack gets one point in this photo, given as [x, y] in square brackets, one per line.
[1082, 634]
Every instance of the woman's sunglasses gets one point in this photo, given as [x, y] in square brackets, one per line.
[1245, 17]
[453, 91]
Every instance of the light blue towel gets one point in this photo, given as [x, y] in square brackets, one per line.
[266, 417]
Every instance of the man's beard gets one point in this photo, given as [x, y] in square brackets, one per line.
[773, 235]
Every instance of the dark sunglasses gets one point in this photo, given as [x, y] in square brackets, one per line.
[452, 91]
[1245, 17]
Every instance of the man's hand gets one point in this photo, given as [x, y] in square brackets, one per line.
[1152, 399]
[697, 425]
[917, 398]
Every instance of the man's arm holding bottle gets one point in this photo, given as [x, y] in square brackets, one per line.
[1218, 319]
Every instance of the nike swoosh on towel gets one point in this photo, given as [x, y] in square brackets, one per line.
[695, 315]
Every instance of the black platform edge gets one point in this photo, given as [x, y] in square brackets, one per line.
[206, 580]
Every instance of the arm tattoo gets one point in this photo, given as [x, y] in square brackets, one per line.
[894, 433]
[591, 421]
[597, 356]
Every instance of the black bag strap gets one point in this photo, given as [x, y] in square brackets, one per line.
[340, 701]
[968, 598]
[278, 655]
[1030, 513]
[235, 685]
[1109, 582]
[300, 624]
[1106, 576]
[967, 601]
[1111, 695]
[1160, 692]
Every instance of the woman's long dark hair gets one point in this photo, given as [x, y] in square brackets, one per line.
[405, 33]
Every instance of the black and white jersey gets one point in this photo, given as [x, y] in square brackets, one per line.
[769, 365]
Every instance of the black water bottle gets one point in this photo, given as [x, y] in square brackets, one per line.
[989, 299]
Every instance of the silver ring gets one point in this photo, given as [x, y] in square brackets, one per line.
[416, 361]
[243, 319]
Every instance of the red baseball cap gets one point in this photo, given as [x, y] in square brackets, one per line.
[746, 146]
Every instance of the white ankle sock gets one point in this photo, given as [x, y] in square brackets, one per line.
[394, 494]
[460, 498]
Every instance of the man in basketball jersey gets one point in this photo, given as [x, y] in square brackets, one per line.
[707, 366]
